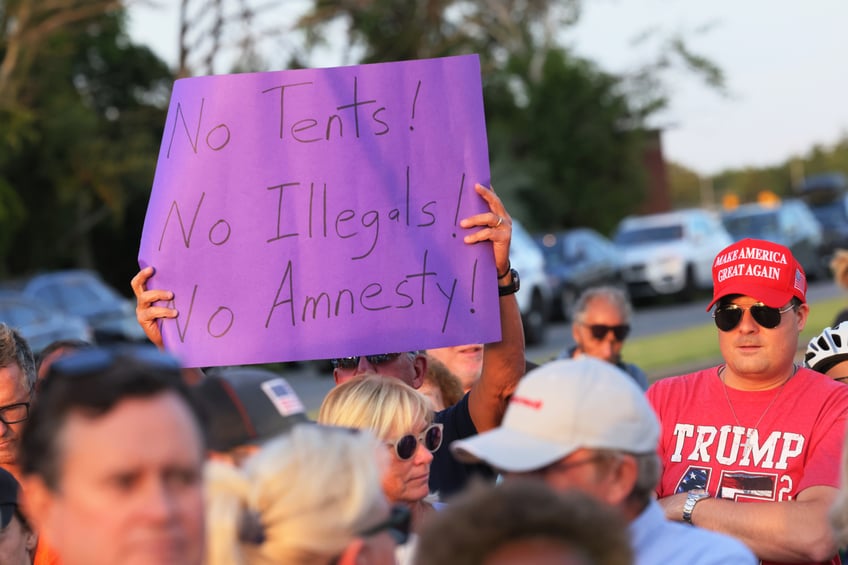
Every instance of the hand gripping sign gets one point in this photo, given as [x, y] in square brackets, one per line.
[314, 213]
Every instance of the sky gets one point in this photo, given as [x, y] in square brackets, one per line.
[783, 60]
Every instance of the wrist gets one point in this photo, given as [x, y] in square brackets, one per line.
[509, 286]
[506, 272]
[693, 497]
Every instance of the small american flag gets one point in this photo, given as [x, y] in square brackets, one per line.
[800, 282]
[695, 478]
[283, 396]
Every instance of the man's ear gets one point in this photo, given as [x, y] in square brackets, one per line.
[30, 541]
[623, 475]
[37, 503]
[575, 336]
[420, 365]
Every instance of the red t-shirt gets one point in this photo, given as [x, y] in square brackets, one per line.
[778, 443]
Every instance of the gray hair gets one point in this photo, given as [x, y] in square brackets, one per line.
[610, 294]
[14, 350]
[648, 472]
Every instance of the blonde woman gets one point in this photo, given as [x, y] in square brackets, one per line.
[310, 497]
[402, 419]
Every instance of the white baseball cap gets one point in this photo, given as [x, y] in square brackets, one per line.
[563, 406]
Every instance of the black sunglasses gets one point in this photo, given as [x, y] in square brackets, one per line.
[728, 316]
[95, 359]
[600, 331]
[353, 362]
[431, 438]
[397, 524]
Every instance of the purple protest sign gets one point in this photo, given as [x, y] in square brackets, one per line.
[314, 213]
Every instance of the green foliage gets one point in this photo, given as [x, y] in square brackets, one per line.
[747, 183]
[684, 185]
[81, 149]
[571, 154]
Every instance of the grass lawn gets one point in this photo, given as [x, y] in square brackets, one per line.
[697, 343]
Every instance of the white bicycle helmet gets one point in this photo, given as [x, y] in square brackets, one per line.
[828, 348]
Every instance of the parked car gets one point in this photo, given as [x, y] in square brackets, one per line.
[670, 253]
[827, 197]
[534, 297]
[789, 223]
[578, 259]
[83, 293]
[38, 324]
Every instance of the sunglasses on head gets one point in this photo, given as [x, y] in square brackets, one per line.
[728, 316]
[86, 361]
[397, 524]
[431, 438]
[353, 362]
[600, 331]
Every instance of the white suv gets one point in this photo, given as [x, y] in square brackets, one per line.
[534, 297]
[670, 253]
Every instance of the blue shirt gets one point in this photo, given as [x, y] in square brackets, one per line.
[657, 540]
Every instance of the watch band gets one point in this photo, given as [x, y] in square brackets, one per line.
[512, 287]
[692, 498]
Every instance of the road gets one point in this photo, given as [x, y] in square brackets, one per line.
[312, 384]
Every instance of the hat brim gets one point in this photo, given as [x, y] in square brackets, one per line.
[510, 450]
[768, 296]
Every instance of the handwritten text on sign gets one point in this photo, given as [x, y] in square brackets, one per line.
[315, 213]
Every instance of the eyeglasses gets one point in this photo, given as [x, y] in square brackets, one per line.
[397, 524]
[353, 362]
[14, 413]
[92, 360]
[600, 331]
[431, 438]
[728, 316]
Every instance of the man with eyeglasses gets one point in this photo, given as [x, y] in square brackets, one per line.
[583, 424]
[601, 324]
[17, 382]
[111, 460]
[758, 428]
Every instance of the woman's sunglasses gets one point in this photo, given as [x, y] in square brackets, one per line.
[431, 438]
[728, 316]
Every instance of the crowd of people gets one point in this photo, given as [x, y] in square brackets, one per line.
[469, 454]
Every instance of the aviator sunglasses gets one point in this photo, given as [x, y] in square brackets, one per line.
[431, 438]
[353, 362]
[600, 331]
[728, 316]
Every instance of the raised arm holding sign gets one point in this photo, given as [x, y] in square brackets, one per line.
[332, 213]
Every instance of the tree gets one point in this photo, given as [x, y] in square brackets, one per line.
[84, 165]
[575, 139]
[565, 137]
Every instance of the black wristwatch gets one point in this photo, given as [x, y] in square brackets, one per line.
[512, 287]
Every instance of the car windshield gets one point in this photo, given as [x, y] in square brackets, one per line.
[831, 214]
[638, 236]
[759, 226]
